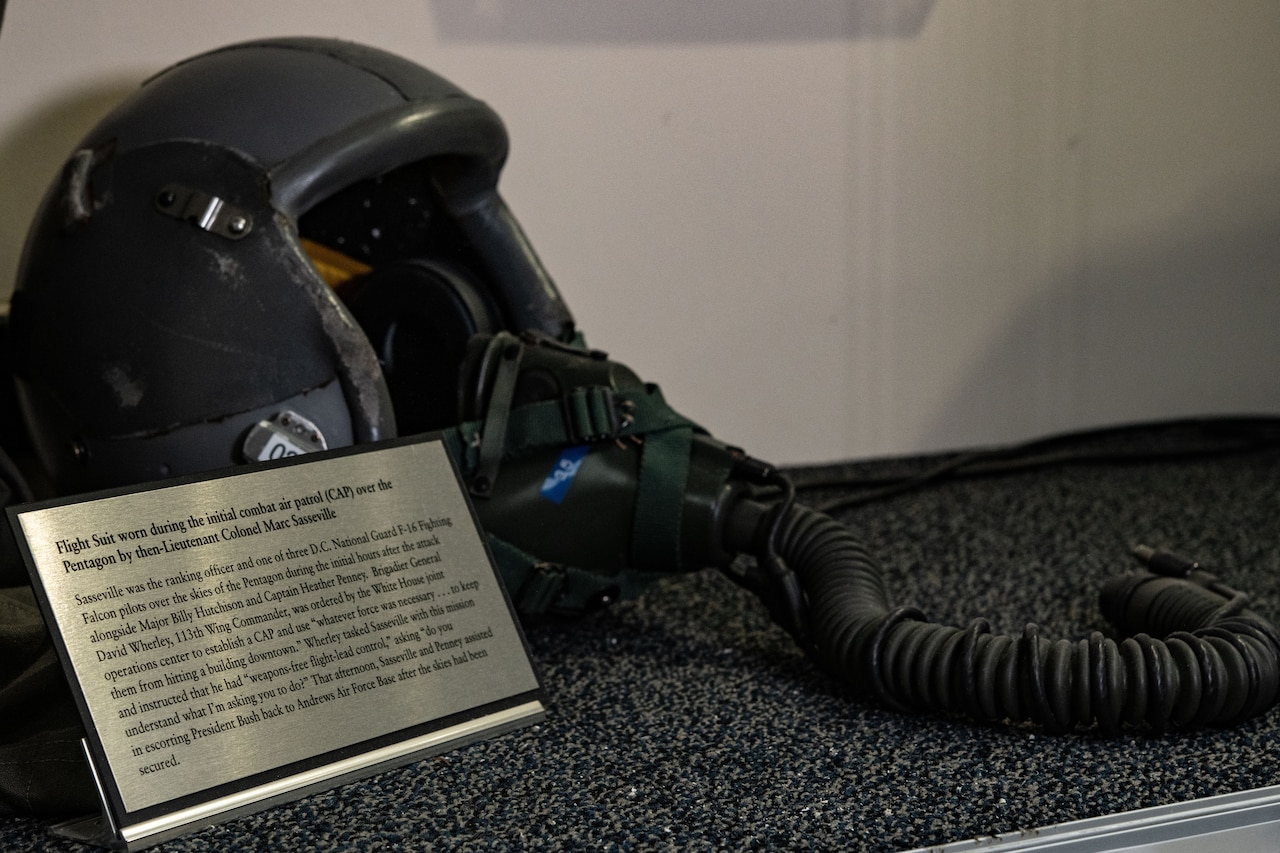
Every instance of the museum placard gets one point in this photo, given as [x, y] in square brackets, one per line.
[238, 639]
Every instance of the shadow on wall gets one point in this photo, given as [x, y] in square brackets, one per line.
[1179, 323]
[34, 151]
[675, 21]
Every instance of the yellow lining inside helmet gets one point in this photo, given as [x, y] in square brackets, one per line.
[335, 268]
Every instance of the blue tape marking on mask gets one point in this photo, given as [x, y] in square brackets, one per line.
[561, 477]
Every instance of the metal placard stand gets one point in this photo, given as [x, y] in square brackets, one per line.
[244, 638]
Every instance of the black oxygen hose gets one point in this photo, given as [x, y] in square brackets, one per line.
[1217, 664]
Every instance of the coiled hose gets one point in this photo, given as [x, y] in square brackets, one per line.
[1217, 663]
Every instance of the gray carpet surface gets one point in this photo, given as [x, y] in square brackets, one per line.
[685, 720]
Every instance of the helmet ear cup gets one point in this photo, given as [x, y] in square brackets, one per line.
[418, 316]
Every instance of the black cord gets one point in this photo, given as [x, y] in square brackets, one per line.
[1183, 440]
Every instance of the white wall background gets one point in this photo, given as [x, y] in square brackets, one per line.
[828, 228]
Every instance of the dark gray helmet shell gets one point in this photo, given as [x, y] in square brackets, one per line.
[165, 303]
